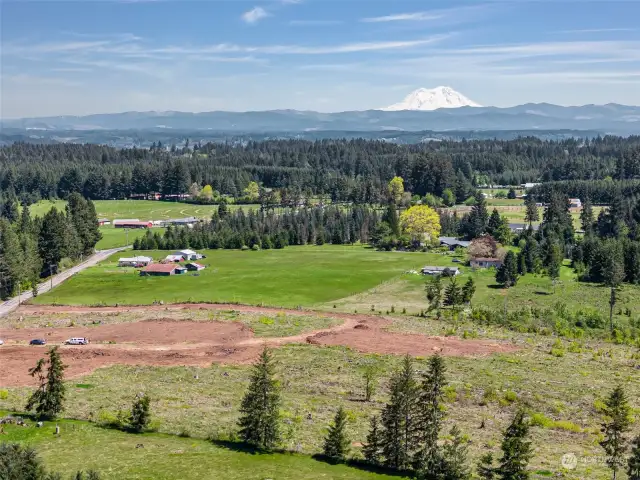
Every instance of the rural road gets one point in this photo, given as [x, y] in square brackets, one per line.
[11, 304]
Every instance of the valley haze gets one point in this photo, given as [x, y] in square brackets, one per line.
[441, 109]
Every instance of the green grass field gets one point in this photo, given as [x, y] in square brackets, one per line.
[117, 237]
[305, 275]
[84, 446]
[142, 209]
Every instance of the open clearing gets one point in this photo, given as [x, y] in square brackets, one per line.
[142, 209]
[198, 394]
[296, 275]
[182, 342]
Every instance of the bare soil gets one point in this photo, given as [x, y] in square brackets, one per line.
[181, 342]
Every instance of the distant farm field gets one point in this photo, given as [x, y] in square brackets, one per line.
[305, 275]
[141, 209]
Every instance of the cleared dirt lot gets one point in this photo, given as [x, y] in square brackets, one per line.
[182, 342]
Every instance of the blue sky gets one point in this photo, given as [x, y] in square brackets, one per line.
[81, 57]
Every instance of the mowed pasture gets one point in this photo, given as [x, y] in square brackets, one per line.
[117, 454]
[141, 209]
[294, 276]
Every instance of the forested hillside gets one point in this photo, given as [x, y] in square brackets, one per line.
[354, 170]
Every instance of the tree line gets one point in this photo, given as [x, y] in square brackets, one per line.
[266, 229]
[33, 248]
[346, 170]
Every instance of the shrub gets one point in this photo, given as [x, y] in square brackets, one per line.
[510, 396]
[255, 247]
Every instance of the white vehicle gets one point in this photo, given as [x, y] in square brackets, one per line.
[1, 342]
[77, 341]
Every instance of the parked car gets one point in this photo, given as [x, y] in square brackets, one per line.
[38, 341]
[77, 341]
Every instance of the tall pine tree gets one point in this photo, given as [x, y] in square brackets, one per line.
[615, 426]
[48, 399]
[336, 444]
[373, 448]
[399, 418]
[516, 450]
[428, 458]
[260, 416]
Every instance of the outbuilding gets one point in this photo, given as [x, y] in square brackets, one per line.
[454, 243]
[135, 262]
[194, 267]
[485, 262]
[162, 270]
[174, 258]
[188, 254]
[446, 271]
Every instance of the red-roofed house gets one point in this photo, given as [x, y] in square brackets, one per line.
[162, 270]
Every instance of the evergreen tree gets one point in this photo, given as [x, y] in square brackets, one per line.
[336, 444]
[522, 263]
[434, 293]
[507, 274]
[51, 240]
[485, 468]
[260, 416]
[391, 218]
[18, 462]
[478, 217]
[633, 465]
[82, 214]
[48, 399]
[511, 195]
[223, 209]
[453, 293]
[373, 448]
[454, 457]
[468, 290]
[494, 222]
[516, 450]
[140, 416]
[399, 418]
[428, 459]
[615, 426]
[586, 216]
[531, 210]
[12, 265]
[553, 260]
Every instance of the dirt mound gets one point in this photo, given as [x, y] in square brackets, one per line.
[182, 342]
[370, 338]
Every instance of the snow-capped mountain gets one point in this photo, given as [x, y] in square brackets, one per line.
[432, 99]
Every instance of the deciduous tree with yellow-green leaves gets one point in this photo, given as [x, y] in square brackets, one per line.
[396, 189]
[421, 223]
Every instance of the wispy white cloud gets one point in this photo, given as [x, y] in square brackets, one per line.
[137, 49]
[402, 17]
[599, 30]
[34, 80]
[315, 23]
[254, 15]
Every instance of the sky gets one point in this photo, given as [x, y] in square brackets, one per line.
[84, 56]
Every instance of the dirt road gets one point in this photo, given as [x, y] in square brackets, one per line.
[13, 303]
[199, 343]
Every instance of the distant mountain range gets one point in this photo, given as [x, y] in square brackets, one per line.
[604, 119]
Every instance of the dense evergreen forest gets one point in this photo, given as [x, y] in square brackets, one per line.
[32, 248]
[355, 171]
